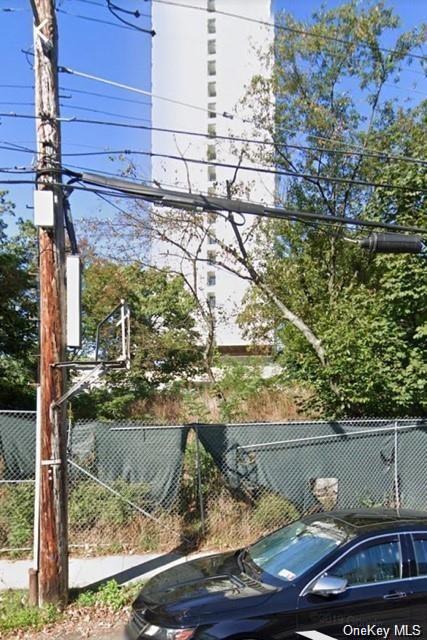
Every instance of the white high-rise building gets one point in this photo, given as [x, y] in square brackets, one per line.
[204, 58]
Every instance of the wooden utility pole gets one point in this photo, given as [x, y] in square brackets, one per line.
[53, 542]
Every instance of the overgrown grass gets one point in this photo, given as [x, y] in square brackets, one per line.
[16, 613]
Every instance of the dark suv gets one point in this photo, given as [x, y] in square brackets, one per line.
[334, 573]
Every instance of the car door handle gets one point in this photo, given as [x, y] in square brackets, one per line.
[396, 595]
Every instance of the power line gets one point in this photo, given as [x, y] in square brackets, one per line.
[107, 113]
[81, 108]
[83, 92]
[358, 150]
[187, 200]
[102, 5]
[270, 171]
[364, 152]
[280, 27]
[92, 19]
[127, 87]
[290, 174]
[224, 114]
[197, 201]
[114, 9]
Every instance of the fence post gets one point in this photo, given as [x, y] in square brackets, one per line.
[199, 479]
[396, 470]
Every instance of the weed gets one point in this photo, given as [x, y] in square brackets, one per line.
[111, 595]
[15, 613]
[93, 505]
[273, 510]
[16, 515]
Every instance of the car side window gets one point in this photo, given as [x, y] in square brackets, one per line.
[372, 562]
[420, 546]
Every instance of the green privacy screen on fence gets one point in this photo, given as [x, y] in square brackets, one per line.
[368, 463]
[17, 445]
[133, 452]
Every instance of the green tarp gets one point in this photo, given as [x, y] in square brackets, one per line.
[17, 446]
[288, 459]
[135, 453]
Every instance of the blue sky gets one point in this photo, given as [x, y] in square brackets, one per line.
[116, 53]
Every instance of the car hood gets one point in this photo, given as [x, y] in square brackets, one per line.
[190, 592]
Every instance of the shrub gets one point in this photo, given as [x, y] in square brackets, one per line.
[110, 594]
[16, 515]
[273, 510]
[91, 504]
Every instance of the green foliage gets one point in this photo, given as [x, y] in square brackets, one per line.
[91, 505]
[16, 515]
[15, 613]
[163, 340]
[368, 314]
[111, 595]
[237, 383]
[210, 475]
[273, 508]
[18, 313]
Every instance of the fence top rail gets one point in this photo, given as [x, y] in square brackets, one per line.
[351, 422]
[17, 411]
[329, 436]
[139, 427]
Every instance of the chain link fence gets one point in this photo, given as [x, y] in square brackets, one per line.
[141, 487]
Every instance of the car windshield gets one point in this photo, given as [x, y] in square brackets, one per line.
[291, 551]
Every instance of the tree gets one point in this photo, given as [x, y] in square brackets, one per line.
[163, 337]
[18, 314]
[308, 113]
[368, 314]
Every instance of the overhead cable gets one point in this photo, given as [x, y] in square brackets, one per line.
[187, 200]
[270, 171]
[280, 27]
[92, 19]
[120, 85]
[358, 149]
[282, 172]
[115, 9]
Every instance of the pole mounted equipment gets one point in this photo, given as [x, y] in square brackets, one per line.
[392, 243]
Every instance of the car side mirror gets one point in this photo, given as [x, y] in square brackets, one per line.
[329, 586]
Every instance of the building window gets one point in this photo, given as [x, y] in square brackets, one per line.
[211, 152]
[212, 110]
[211, 300]
[212, 89]
[211, 130]
[211, 5]
[211, 239]
[211, 279]
[211, 173]
[211, 68]
[211, 47]
[211, 257]
[211, 25]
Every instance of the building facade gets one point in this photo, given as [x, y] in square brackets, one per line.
[206, 59]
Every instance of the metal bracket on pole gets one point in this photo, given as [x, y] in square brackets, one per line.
[78, 386]
[46, 43]
[51, 463]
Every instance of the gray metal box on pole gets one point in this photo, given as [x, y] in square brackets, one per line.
[74, 303]
[44, 208]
